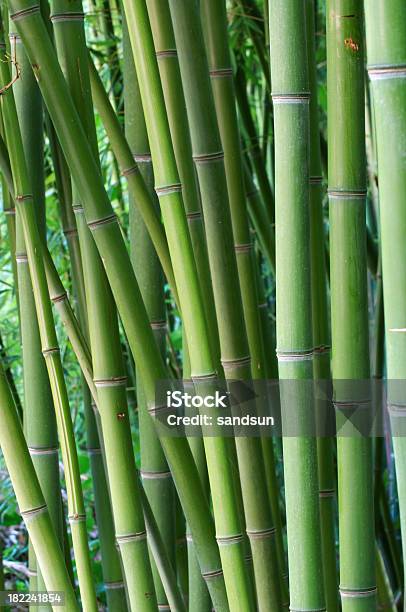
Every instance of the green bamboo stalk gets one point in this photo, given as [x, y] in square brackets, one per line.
[105, 345]
[50, 349]
[165, 48]
[156, 477]
[215, 31]
[349, 309]
[320, 320]
[30, 499]
[293, 299]
[121, 277]
[136, 184]
[39, 416]
[386, 45]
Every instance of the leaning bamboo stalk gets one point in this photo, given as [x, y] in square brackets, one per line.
[50, 349]
[290, 92]
[109, 241]
[39, 416]
[105, 345]
[237, 361]
[349, 302]
[155, 474]
[30, 499]
[136, 185]
[320, 322]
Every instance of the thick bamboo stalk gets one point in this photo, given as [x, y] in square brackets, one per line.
[30, 499]
[50, 349]
[39, 416]
[110, 243]
[156, 477]
[320, 321]
[386, 46]
[290, 91]
[349, 304]
[105, 345]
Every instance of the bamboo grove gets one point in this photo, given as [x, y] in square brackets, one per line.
[205, 195]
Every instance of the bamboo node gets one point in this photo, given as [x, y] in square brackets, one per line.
[142, 158]
[78, 209]
[261, 534]
[59, 298]
[114, 381]
[27, 514]
[23, 197]
[67, 17]
[193, 215]
[203, 377]
[343, 194]
[32, 573]
[359, 593]
[10, 211]
[218, 73]
[212, 574]
[168, 189]
[396, 410]
[386, 71]
[304, 355]
[302, 97]
[326, 493]
[25, 12]
[208, 158]
[229, 364]
[131, 537]
[157, 325]
[163, 607]
[119, 584]
[243, 248]
[43, 451]
[166, 53]
[146, 475]
[21, 258]
[96, 224]
[315, 180]
[128, 171]
[154, 410]
[228, 540]
[94, 451]
[50, 351]
[70, 231]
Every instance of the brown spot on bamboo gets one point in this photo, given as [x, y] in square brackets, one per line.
[351, 44]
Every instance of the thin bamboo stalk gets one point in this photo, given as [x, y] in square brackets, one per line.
[386, 46]
[293, 300]
[121, 277]
[156, 477]
[50, 349]
[349, 306]
[39, 415]
[320, 320]
[30, 499]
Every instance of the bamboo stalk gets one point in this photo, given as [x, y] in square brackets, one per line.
[156, 477]
[39, 416]
[30, 499]
[50, 349]
[349, 314]
[320, 320]
[290, 88]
